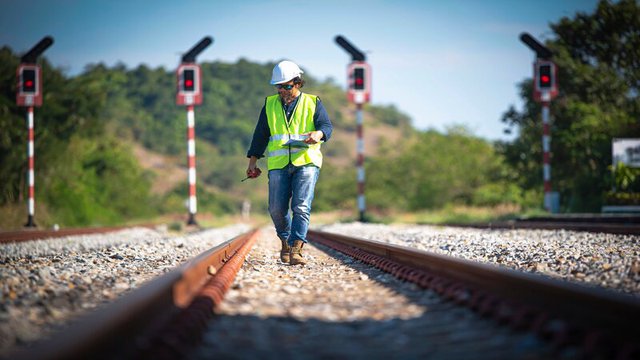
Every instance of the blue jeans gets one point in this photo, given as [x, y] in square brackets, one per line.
[295, 185]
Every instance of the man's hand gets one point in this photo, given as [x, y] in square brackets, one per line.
[313, 137]
[253, 171]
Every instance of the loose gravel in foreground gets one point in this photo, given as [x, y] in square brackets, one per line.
[46, 283]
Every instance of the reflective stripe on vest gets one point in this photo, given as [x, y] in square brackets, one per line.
[279, 155]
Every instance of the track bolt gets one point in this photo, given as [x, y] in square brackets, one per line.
[211, 270]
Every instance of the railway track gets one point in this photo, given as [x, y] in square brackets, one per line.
[467, 309]
[607, 223]
[599, 223]
[29, 234]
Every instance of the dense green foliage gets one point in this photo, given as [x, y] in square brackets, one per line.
[598, 57]
[429, 172]
[83, 175]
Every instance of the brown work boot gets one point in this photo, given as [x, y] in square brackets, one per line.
[285, 252]
[296, 253]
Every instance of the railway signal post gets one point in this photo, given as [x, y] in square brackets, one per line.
[189, 94]
[358, 93]
[545, 89]
[29, 95]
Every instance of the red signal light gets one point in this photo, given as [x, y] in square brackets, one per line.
[188, 80]
[358, 78]
[28, 81]
[545, 72]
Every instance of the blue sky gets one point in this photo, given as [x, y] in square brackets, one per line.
[443, 63]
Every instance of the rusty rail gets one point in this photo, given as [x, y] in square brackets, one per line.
[126, 326]
[28, 234]
[596, 318]
[622, 225]
[185, 329]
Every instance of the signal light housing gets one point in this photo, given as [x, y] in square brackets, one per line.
[189, 85]
[545, 86]
[29, 85]
[359, 82]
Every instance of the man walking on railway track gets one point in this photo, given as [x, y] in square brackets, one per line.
[291, 127]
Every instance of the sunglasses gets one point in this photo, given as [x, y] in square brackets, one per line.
[286, 87]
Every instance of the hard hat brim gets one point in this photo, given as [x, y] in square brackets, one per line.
[272, 82]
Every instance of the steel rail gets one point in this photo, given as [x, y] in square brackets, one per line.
[610, 228]
[593, 311]
[122, 327]
[28, 235]
[605, 218]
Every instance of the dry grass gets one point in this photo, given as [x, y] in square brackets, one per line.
[14, 216]
[168, 171]
[446, 215]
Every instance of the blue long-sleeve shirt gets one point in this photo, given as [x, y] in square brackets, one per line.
[262, 133]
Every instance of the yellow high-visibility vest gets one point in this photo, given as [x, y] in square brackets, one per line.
[279, 154]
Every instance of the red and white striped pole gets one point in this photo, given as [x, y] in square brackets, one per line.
[546, 155]
[31, 177]
[191, 160]
[360, 162]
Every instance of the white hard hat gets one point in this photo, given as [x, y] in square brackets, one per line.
[285, 71]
